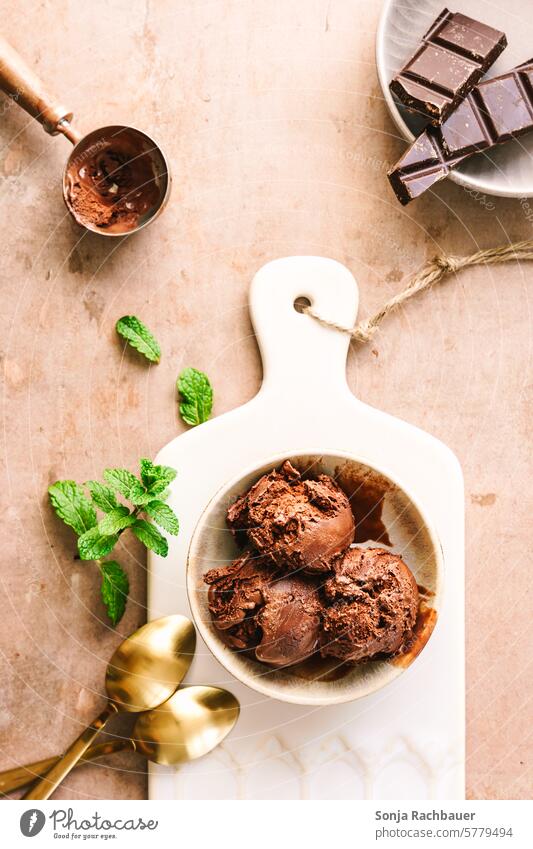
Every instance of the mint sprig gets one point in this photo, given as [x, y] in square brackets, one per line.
[139, 337]
[196, 396]
[98, 536]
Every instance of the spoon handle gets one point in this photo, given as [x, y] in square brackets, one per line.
[44, 788]
[19, 776]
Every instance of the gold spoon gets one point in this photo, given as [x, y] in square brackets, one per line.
[143, 672]
[188, 725]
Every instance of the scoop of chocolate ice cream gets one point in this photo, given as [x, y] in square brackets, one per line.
[373, 604]
[255, 608]
[236, 590]
[297, 523]
[289, 621]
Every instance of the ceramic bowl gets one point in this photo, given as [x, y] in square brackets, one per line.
[316, 681]
[507, 169]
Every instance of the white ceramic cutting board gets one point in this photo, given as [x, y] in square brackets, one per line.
[407, 740]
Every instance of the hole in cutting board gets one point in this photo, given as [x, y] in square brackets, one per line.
[301, 303]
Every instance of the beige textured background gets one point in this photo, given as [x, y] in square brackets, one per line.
[272, 117]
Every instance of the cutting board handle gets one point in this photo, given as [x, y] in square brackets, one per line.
[303, 359]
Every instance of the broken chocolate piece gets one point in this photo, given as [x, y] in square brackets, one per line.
[455, 53]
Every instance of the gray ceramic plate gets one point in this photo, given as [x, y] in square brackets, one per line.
[508, 169]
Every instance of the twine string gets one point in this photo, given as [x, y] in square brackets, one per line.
[433, 272]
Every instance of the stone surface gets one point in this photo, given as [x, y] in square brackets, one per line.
[273, 120]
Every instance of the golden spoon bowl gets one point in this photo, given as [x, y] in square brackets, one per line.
[148, 666]
[187, 726]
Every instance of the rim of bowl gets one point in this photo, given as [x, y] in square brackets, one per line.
[455, 176]
[215, 644]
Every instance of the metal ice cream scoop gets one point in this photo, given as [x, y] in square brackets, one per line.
[116, 179]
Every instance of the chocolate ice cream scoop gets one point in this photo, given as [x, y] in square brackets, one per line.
[255, 608]
[298, 523]
[373, 605]
[289, 620]
[236, 590]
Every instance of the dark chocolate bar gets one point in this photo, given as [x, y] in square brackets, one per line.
[497, 110]
[455, 53]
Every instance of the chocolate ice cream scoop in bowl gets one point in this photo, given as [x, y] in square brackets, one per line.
[315, 578]
[116, 180]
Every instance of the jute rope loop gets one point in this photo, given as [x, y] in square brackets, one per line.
[436, 270]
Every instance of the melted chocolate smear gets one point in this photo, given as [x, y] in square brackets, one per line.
[424, 592]
[366, 493]
[424, 625]
[317, 668]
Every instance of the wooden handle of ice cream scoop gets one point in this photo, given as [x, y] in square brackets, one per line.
[25, 88]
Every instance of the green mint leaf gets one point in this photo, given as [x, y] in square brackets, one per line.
[150, 537]
[94, 544]
[163, 516]
[148, 471]
[72, 505]
[196, 396]
[150, 494]
[116, 521]
[152, 474]
[115, 588]
[139, 337]
[126, 483]
[102, 496]
[141, 498]
[159, 489]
